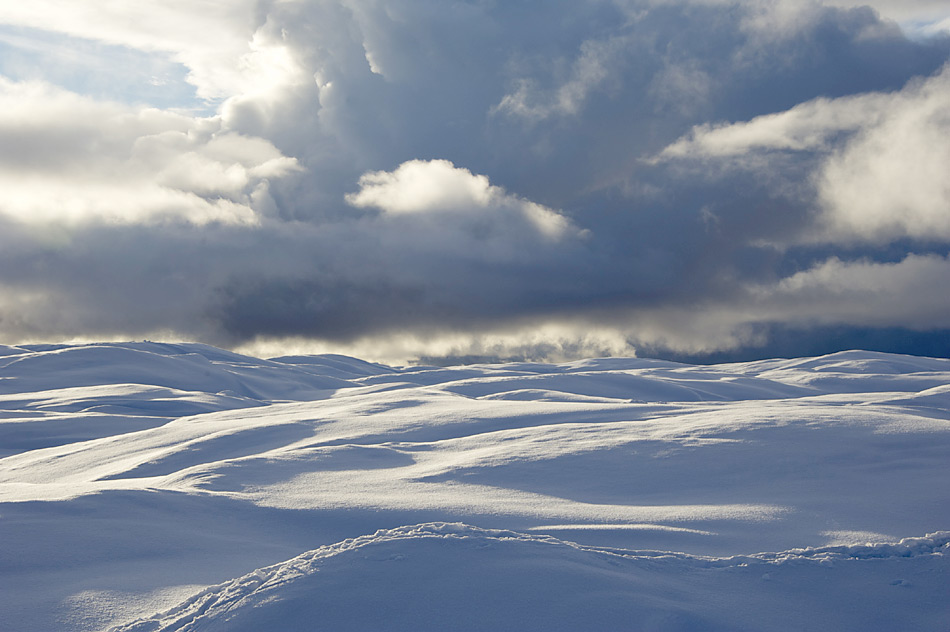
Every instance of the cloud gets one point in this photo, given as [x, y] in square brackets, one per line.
[68, 158]
[437, 187]
[593, 66]
[877, 171]
[421, 186]
[550, 342]
[914, 292]
[923, 16]
[212, 39]
[470, 179]
[810, 126]
[95, 69]
[890, 182]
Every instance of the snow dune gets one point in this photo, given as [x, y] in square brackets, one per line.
[325, 492]
[501, 580]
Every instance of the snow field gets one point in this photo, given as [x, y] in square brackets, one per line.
[134, 474]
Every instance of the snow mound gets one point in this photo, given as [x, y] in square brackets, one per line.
[334, 365]
[870, 363]
[135, 474]
[454, 576]
[855, 372]
[187, 367]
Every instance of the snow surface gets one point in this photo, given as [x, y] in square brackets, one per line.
[181, 487]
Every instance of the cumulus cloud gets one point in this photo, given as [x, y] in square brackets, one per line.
[421, 186]
[68, 158]
[437, 187]
[914, 292]
[878, 173]
[890, 181]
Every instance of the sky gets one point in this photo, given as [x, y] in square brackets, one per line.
[460, 180]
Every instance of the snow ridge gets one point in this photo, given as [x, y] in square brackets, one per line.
[225, 603]
[138, 476]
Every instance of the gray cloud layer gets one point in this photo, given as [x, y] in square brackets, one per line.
[408, 178]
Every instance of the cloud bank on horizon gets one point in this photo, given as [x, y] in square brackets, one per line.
[413, 179]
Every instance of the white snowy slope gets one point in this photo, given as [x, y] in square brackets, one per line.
[442, 576]
[182, 487]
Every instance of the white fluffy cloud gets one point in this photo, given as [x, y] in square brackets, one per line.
[880, 173]
[914, 291]
[420, 186]
[891, 180]
[437, 187]
[809, 126]
[213, 39]
[68, 158]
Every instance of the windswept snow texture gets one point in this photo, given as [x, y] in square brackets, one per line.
[181, 487]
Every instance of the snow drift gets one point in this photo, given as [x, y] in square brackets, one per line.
[138, 480]
[452, 576]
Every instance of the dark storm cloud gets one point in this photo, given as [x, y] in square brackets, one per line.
[551, 103]
[682, 177]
